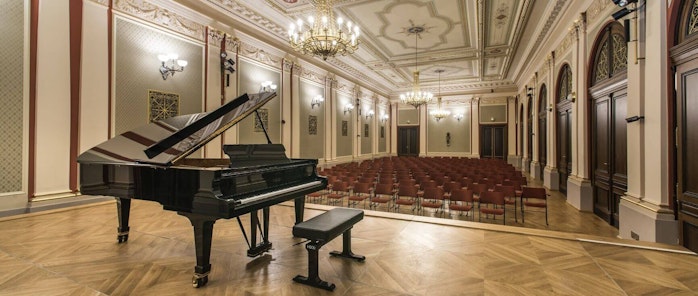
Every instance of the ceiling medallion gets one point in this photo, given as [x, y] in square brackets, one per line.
[416, 97]
[323, 35]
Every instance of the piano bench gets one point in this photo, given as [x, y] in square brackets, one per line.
[322, 229]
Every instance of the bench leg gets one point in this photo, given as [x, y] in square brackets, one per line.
[313, 278]
[346, 248]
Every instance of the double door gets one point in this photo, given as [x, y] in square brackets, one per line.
[408, 141]
[564, 143]
[493, 141]
[609, 146]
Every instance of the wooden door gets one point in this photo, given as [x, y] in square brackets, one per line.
[687, 161]
[564, 145]
[493, 141]
[609, 158]
[408, 141]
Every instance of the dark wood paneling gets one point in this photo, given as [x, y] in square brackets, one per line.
[408, 141]
[564, 145]
[493, 141]
[687, 161]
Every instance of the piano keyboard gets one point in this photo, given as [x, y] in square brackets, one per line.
[276, 193]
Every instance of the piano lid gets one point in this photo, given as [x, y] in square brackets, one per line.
[165, 141]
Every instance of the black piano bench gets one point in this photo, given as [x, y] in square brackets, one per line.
[322, 229]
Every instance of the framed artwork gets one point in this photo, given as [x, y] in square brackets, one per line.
[162, 105]
[262, 119]
[345, 128]
[312, 125]
[382, 132]
[365, 130]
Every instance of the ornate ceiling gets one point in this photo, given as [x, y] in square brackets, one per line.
[476, 42]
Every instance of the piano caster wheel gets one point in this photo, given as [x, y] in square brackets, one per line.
[122, 238]
[198, 282]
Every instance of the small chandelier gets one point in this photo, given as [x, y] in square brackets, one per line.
[325, 37]
[439, 113]
[416, 97]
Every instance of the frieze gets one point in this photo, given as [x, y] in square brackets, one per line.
[101, 2]
[493, 101]
[247, 14]
[312, 76]
[595, 10]
[158, 15]
[259, 55]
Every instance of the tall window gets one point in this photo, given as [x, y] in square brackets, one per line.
[612, 54]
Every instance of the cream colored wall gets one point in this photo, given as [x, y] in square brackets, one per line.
[251, 75]
[53, 101]
[310, 146]
[345, 144]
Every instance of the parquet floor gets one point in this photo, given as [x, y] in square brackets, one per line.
[74, 252]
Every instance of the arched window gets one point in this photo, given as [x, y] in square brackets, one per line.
[611, 56]
[564, 83]
[690, 23]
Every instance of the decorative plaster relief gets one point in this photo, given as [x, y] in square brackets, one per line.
[163, 17]
[101, 2]
[493, 101]
[259, 55]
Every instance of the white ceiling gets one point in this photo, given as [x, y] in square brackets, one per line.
[476, 42]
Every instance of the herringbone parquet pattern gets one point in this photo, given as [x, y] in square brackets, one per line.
[74, 252]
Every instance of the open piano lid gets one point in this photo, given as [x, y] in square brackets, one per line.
[166, 141]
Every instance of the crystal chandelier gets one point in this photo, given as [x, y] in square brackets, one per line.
[322, 35]
[439, 113]
[416, 97]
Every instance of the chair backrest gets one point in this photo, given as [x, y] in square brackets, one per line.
[492, 197]
[362, 187]
[507, 190]
[407, 190]
[534, 192]
[450, 186]
[339, 186]
[383, 189]
[479, 188]
[433, 193]
[464, 195]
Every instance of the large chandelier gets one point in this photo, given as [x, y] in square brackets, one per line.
[416, 97]
[323, 35]
[439, 113]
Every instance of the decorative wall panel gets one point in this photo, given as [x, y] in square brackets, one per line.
[311, 121]
[11, 94]
[136, 67]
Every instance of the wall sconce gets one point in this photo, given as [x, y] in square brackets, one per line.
[573, 96]
[175, 65]
[384, 117]
[459, 116]
[226, 63]
[491, 118]
[550, 107]
[370, 114]
[267, 86]
[316, 101]
[348, 107]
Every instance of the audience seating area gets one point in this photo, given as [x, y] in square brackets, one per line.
[431, 186]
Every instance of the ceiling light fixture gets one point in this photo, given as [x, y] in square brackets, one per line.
[324, 36]
[439, 113]
[416, 97]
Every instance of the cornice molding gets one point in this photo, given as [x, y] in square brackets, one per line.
[152, 13]
[259, 55]
[101, 2]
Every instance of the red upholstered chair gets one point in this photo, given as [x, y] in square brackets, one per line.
[462, 201]
[406, 196]
[433, 198]
[361, 192]
[340, 190]
[492, 203]
[318, 196]
[382, 195]
[509, 197]
[534, 197]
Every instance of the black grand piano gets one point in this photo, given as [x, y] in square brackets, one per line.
[150, 163]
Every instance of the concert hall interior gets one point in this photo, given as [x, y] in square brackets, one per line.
[495, 146]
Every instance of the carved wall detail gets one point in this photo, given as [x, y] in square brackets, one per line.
[163, 17]
[259, 55]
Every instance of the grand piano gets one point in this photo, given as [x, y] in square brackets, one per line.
[150, 163]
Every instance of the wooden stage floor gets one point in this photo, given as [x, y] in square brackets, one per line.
[73, 251]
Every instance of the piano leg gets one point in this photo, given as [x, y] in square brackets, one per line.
[123, 208]
[300, 208]
[259, 249]
[203, 234]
